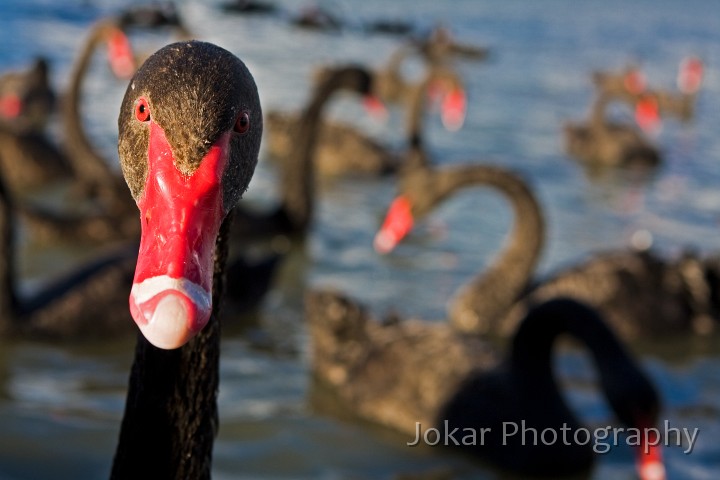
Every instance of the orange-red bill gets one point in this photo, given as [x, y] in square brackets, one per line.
[375, 107]
[171, 297]
[398, 223]
[649, 456]
[10, 106]
[647, 114]
[690, 75]
[454, 109]
[120, 55]
[635, 81]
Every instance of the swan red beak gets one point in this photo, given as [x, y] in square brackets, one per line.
[690, 75]
[120, 55]
[649, 456]
[10, 106]
[398, 223]
[454, 109]
[647, 114]
[375, 108]
[171, 297]
[635, 82]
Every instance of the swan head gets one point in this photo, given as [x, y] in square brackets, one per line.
[189, 136]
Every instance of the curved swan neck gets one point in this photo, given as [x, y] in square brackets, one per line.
[598, 111]
[171, 416]
[627, 389]
[89, 165]
[298, 174]
[490, 294]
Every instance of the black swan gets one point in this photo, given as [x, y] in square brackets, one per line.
[486, 298]
[599, 142]
[342, 149]
[641, 294]
[26, 98]
[83, 304]
[190, 127]
[411, 375]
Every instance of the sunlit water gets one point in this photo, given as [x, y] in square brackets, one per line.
[60, 405]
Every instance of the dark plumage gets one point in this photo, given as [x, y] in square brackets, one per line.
[598, 142]
[88, 302]
[641, 294]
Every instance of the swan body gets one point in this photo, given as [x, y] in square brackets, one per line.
[601, 143]
[85, 303]
[409, 374]
[641, 294]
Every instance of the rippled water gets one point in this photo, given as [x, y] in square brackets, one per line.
[60, 405]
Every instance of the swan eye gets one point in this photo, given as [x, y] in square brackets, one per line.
[242, 124]
[142, 110]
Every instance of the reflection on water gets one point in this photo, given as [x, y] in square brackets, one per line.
[60, 405]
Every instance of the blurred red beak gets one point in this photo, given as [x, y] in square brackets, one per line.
[690, 75]
[375, 107]
[454, 109]
[397, 225]
[171, 297]
[635, 82]
[647, 114]
[120, 55]
[10, 106]
[649, 456]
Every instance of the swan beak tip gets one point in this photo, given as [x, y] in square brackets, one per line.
[652, 471]
[169, 320]
[384, 242]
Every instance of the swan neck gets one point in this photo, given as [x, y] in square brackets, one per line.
[171, 415]
[532, 346]
[298, 174]
[89, 165]
[483, 300]
[598, 111]
[8, 300]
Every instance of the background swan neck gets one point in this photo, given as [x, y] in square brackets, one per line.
[487, 297]
[88, 164]
[598, 111]
[531, 357]
[171, 415]
[297, 180]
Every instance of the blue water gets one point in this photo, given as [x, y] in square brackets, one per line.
[60, 406]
